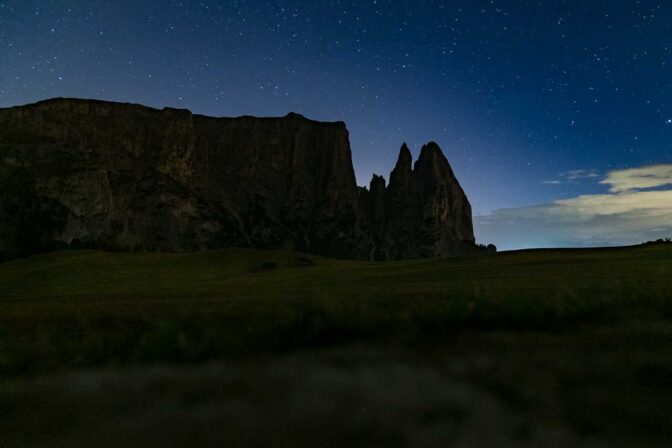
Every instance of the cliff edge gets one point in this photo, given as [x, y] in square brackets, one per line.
[95, 174]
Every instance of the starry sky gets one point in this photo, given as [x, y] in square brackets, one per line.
[542, 107]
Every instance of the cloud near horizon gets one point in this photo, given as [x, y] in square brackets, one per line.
[639, 178]
[630, 213]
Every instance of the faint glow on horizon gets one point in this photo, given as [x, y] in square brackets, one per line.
[630, 213]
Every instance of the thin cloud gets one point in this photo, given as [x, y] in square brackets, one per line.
[629, 214]
[573, 176]
[639, 178]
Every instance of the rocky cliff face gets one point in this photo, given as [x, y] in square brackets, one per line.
[422, 213]
[88, 173]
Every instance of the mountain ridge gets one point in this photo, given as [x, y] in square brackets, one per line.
[122, 176]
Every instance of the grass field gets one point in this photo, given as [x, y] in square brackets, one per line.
[270, 348]
[82, 308]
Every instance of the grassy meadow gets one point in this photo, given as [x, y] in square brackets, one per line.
[86, 308]
[546, 348]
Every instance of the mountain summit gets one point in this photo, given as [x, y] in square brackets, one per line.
[95, 174]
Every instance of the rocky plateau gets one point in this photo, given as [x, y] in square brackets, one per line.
[94, 174]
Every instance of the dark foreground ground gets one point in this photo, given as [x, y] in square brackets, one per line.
[245, 348]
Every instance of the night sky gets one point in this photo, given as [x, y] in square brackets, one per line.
[555, 115]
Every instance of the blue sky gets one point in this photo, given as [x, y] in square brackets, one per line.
[519, 94]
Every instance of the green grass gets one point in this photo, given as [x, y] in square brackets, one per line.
[83, 308]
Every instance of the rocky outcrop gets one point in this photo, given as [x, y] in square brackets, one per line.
[87, 173]
[425, 212]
